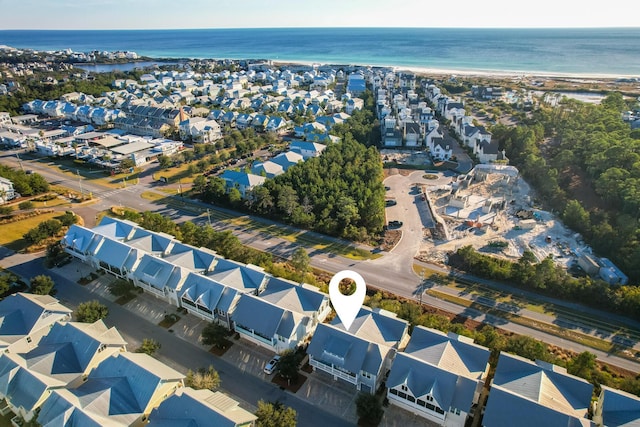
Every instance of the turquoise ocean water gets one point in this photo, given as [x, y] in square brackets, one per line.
[606, 51]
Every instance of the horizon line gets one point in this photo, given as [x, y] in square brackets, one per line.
[337, 27]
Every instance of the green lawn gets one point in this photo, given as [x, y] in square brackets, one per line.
[11, 233]
[51, 203]
[175, 175]
[90, 173]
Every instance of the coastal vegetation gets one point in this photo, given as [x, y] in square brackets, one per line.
[363, 125]
[584, 163]
[545, 277]
[339, 193]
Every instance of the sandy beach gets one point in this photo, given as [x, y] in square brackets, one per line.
[582, 78]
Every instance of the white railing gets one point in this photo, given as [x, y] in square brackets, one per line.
[330, 369]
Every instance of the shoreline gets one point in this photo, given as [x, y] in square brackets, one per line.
[425, 71]
[428, 71]
[422, 71]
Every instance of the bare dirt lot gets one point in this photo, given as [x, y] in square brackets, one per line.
[493, 212]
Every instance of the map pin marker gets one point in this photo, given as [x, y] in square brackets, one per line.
[347, 306]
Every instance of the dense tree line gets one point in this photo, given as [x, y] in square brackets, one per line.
[363, 125]
[339, 193]
[548, 278]
[591, 144]
[23, 183]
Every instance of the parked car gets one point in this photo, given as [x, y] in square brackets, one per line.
[390, 202]
[395, 224]
[271, 365]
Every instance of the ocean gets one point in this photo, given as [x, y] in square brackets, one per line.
[613, 52]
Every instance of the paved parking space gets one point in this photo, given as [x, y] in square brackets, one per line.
[398, 417]
[249, 357]
[335, 396]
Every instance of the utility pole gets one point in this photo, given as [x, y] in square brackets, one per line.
[20, 161]
[80, 183]
[208, 217]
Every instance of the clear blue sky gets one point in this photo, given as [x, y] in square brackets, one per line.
[144, 14]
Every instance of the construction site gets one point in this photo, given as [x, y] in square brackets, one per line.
[491, 208]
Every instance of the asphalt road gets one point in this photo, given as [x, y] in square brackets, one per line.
[175, 352]
[392, 272]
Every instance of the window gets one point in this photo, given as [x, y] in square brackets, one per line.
[29, 340]
[393, 391]
[411, 398]
[203, 308]
[404, 388]
[402, 395]
[422, 403]
[440, 411]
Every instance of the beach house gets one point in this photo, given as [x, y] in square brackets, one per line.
[536, 393]
[438, 376]
[26, 318]
[122, 390]
[62, 359]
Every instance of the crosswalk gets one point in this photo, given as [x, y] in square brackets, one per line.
[109, 193]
